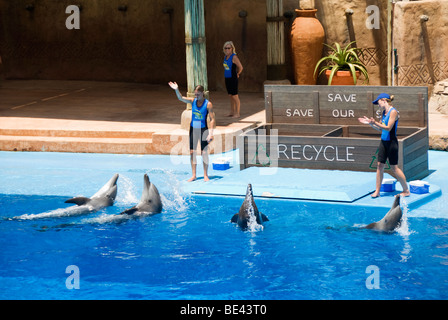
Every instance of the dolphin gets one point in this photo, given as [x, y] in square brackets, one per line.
[391, 220]
[248, 210]
[105, 197]
[150, 202]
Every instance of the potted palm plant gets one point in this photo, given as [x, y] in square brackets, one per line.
[342, 62]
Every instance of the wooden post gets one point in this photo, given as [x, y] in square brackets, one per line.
[389, 42]
[276, 40]
[195, 44]
[195, 52]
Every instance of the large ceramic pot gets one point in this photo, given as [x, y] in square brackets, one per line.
[342, 78]
[307, 38]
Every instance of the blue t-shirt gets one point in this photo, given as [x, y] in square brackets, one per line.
[228, 64]
[199, 114]
[392, 134]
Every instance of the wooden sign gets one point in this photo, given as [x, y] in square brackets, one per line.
[317, 127]
[342, 104]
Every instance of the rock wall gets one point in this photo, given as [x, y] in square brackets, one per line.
[422, 45]
[421, 39]
[439, 98]
[146, 41]
[345, 21]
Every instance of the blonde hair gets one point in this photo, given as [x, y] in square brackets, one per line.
[390, 100]
[230, 43]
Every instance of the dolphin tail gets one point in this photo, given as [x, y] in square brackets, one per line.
[78, 200]
[234, 218]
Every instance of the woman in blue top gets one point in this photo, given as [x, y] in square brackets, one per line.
[199, 131]
[389, 143]
[232, 70]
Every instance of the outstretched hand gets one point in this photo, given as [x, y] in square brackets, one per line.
[173, 85]
[364, 120]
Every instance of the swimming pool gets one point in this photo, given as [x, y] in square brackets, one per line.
[308, 250]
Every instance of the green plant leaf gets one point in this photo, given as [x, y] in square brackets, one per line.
[346, 58]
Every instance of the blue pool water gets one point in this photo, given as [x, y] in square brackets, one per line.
[308, 250]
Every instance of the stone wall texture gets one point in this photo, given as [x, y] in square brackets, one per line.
[421, 38]
[344, 28]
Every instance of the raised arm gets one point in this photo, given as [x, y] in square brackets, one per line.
[175, 87]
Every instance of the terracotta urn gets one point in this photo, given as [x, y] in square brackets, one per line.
[307, 38]
[342, 78]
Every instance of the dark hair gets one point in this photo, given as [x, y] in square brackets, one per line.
[199, 88]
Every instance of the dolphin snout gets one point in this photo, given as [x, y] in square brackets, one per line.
[114, 179]
[112, 185]
[396, 201]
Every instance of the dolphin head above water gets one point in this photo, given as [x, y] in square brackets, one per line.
[391, 220]
[150, 201]
[248, 211]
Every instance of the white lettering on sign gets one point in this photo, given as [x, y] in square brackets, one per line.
[343, 113]
[299, 112]
[342, 97]
[334, 97]
[315, 153]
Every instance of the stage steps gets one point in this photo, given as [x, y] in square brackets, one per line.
[161, 139]
[76, 141]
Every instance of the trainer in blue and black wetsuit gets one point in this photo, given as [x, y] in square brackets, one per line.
[388, 149]
[198, 125]
[199, 131]
[232, 70]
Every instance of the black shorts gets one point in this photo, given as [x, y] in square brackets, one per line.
[232, 85]
[196, 135]
[388, 150]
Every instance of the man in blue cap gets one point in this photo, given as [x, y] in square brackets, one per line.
[388, 148]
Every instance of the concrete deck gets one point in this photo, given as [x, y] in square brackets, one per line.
[343, 187]
[128, 118]
[109, 117]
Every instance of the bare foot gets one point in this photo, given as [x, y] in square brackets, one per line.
[236, 116]
[375, 195]
[206, 178]
[405, 193]
[192, 179]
